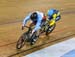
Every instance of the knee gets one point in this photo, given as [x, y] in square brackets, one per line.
[58, 18]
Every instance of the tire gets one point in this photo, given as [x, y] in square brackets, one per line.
[50, 29]
[21, 41]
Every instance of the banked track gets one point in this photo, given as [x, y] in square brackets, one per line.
[17, 53]
[68, 12]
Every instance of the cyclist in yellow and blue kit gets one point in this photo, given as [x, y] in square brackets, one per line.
[53, 16]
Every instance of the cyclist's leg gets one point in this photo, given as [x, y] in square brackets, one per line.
[51, 23]
[58, 16]
[34, 37]
[49, 27]
[43, 23]
[35, 34]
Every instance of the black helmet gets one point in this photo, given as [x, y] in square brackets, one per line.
[33, 15]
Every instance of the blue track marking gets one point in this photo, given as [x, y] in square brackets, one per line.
[69, 54]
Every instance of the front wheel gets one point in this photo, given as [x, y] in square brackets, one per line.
[21, 41]
[50, 29]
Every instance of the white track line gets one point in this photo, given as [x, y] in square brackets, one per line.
[56, 50]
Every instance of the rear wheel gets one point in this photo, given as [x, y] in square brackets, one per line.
[21, 41]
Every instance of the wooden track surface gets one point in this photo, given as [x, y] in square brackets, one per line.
[12, 12]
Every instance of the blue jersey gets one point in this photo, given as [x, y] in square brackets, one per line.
[39, 20]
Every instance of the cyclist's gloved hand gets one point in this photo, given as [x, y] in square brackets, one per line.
[22, 27]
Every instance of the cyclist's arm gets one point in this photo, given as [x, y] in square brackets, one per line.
[25, 20]
[58, 14]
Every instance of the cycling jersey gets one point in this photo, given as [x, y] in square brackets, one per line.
[54, 17]
[37, 21]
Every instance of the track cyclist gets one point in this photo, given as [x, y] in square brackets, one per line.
[53, 15]
[37, 18]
